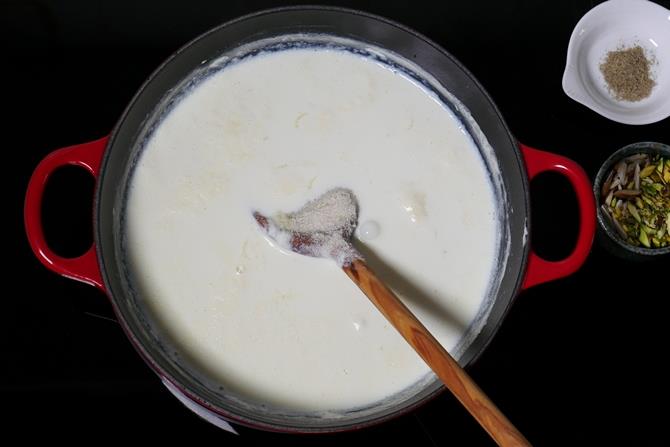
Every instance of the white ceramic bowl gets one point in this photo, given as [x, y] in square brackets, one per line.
[610, 26]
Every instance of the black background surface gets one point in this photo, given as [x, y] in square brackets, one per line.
[579, 361]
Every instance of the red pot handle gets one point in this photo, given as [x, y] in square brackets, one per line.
[540, 270]
[84, 268]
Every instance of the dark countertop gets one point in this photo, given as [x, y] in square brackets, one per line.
[576, 362]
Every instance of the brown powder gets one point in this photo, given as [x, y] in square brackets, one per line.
[627, 74]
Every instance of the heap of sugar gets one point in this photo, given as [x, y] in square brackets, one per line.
[322, 228]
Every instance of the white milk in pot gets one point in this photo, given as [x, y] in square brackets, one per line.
[272, 132]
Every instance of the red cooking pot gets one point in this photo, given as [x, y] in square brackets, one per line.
[111, 159]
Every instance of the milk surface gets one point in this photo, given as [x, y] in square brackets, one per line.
[270, 133]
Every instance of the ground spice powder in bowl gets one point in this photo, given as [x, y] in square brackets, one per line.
[627, 72]
[617, 61]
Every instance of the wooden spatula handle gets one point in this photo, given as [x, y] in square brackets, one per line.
[440, 361]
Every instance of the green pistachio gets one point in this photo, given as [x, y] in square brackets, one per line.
[633, 211]
[646, 172]
[639, 207]
[643, 238]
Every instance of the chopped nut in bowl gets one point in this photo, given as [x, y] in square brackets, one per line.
[632, 190]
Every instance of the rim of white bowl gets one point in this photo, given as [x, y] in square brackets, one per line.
[572, 82]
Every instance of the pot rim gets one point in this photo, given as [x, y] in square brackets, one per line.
[494, 323]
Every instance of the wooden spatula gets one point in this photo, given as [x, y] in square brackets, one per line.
[323, 228]
[440, 361]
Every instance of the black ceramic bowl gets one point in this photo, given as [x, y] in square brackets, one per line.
[607, 234]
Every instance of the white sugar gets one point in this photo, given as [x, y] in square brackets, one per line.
[323, 227]
[334, 211]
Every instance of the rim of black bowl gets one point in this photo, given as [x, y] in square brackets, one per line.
[634, 148]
